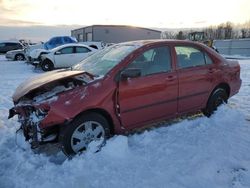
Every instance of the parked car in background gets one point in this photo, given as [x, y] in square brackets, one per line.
[6, 46]
[15, 55]
[93, 44]
[65, 55]
[121, 88]
[44, 47]
[36, 54]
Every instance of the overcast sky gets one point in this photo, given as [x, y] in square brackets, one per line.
[143, 13]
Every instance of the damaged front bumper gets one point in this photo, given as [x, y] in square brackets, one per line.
[30, 119]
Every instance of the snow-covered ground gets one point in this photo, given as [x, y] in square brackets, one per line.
[196, 153]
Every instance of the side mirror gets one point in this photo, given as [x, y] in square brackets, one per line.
[130, 73]
[58, 53]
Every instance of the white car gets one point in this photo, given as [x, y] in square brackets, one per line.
[15, 55]
[44, 47]
[65, 55]
[29, 48]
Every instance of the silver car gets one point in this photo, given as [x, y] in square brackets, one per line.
[15, 55]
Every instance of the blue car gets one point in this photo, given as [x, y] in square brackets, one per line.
[57, 41]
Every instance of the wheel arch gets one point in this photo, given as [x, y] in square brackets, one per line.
[224, 86]
[102, 112]
[40, 55]
[19, 54]
[48, 59]
[208, 110]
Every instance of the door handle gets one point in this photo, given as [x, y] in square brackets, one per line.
[171, 78]
[211, 70]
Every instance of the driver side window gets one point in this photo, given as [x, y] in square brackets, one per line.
[153, 61]
[68, 50]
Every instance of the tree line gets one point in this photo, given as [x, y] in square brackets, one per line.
[226, 30]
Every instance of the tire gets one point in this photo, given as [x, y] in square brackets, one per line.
[218, 97]
[76, 137]
[19, 57]
[47, 65]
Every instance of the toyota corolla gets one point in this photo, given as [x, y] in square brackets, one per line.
[121, 88]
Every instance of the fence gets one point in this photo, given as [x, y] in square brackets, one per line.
[233, 47]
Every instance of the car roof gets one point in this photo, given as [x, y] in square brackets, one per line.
[69, 45]
[159, 41]
[143, 43]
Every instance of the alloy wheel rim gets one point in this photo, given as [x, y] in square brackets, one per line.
[19, 58]
[46, 66]
[88, 132]
[218, 102]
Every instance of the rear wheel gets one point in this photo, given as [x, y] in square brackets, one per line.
[218, 97]
[19, 57]
[47, 65]
[88, 130]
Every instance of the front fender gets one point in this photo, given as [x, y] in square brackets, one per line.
[37, 52]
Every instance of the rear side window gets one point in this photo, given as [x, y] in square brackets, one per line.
[189, 57]
[68, 40]
[82, 50]
[2, 44]
[55, 41]
[153, 61]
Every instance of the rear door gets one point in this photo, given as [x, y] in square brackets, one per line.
[153, 95]
[80, 54]
[195, 78]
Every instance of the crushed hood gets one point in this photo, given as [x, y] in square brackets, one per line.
[41, 80]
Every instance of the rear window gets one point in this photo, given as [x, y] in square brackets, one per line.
[67, 40]
[189, 57]
[82, 50]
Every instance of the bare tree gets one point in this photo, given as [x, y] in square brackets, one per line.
[220, 32]
[168, 35]
[180, 35]
[228, 30]
[210, 32]
[243, 33]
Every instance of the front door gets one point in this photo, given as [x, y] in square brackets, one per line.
[64, 57]
[151, 96]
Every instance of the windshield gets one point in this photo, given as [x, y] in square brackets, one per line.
[104, 60]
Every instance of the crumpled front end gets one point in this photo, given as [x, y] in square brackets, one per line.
[30, 118]
[39, 110]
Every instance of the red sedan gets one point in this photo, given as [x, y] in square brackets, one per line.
[121, 88]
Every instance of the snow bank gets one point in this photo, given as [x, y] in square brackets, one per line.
[201, 152]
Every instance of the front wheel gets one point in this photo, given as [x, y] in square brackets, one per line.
[218, 97]
[88, 130]
[47, 65]
[19, 57]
